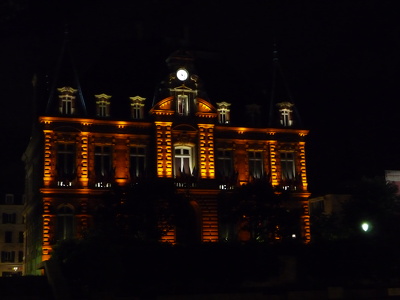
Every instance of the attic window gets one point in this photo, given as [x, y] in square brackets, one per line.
[285, 113]
[103, 105]
[137, 107]
[224, 113]
[67, 100]
[9, 199]
[182, 105]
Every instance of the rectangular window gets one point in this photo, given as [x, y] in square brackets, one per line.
[224, 166]
[183, 105]
[137, 157]
[103, 166]
[137, 111]
[223, 116]
[9, 218]
[20, 256]
[7, 256]
[20, 237]
[287, 165]
[256, 168]
[65, 163]
[183, 160]
[8, 237]
[9, 199]
[286, 117]
[66, 105]
[65, 223]
[102, 109]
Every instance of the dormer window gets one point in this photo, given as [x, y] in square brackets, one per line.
[224, 113]
[67, 100]
[285, 113]
[103, 105]
[182, 105]
[137, 107]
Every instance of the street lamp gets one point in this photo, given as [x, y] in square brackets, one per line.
[365, 226]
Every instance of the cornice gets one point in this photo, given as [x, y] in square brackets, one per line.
[269, 131]
[93, 122]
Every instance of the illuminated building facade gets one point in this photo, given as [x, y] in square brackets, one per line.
[12, 230]
[82, 154]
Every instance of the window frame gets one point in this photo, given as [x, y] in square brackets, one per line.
[253, 161]
[182, 105]
[288, 165]
[103, 165]
[190, 156]
[140, 159]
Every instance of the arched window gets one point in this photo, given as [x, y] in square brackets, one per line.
[65, 223]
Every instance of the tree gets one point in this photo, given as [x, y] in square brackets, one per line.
[376, 201]
[372, 200]
[255, 212]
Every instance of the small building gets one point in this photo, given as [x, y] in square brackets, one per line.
[327, 204]
[12, 230]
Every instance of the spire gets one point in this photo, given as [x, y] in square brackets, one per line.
[65, 75]
[281, 96]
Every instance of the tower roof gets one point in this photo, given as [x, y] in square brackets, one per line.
[280, 92]
[65, 75]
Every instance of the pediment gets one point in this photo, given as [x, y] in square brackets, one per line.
[204, 106]
[165, 105]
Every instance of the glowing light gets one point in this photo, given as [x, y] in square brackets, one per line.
[365, 226]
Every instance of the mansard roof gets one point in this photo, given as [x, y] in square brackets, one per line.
[65, 75]
[256, 111]
[280, 94]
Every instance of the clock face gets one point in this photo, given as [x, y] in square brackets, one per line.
[182, 74]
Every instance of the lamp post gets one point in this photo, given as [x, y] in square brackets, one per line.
[365, 226]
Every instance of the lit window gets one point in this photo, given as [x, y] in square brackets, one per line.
[223, 112]
[67, 100]
[183, 105]
[256, 168]
[65, 223]
[137, 107]
[137, 161]
[287, 165]
[103, 166]
[183, 160]
[103, 105]
[286, 113]
[65, 163]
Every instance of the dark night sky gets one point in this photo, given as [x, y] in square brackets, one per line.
[340, 58]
